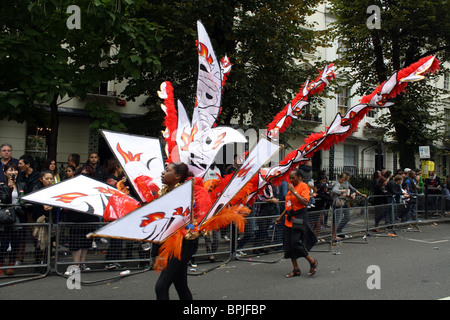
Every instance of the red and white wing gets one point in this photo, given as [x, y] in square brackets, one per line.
[140, 158]
[80, 193]
[155, 221]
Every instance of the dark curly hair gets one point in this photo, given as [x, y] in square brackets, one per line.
[183, 170]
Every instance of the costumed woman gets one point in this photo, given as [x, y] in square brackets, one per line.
[176, 270]
[299, 238]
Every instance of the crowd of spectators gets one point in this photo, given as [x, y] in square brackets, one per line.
[20, 177]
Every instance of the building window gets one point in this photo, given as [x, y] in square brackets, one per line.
[447, 122]
[341, 51]
[343, 101]
[447, 81]
[36, 144]
[350, 158]
[106, 88]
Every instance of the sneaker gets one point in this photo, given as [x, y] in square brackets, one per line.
[84, 267]
[110, 266]
[240, 254]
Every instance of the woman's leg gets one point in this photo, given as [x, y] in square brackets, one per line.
[176, 273]
[291, 241]
[180, 283]
[313, 264]
[166, 279]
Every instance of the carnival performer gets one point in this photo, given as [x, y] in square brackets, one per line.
[176, 270]
[299, 238]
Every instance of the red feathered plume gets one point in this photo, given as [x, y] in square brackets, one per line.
[118, 206]
[312, 88]
[420, 68]
[351, 119]
[170, 121]
[202, 199]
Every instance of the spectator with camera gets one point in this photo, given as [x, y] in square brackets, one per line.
[11, 235]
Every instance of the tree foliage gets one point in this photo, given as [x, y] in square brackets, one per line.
[43, 60]
[266, 42]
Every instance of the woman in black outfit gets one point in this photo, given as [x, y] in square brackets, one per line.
[176, 270]
[380, 202]
[10, 194]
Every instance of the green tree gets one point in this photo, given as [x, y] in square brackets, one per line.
[45, 59]
[265, 40]
[408, 31]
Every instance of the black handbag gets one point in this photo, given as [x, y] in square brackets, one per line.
[297, 223]
[7, 216]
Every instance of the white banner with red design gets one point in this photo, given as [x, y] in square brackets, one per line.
[156, 221]
[80, 194]
[196, 142]
[257, 158]
[141, 159]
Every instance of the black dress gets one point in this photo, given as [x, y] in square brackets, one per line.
[298, 240]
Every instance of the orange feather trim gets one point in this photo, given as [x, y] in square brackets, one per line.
[249, 188]
[170, 248]
[234, 214]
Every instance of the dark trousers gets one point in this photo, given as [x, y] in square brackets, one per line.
[176, 273]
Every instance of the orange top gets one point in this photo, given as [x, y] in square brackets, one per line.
[292, 202]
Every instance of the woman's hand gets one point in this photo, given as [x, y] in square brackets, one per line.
[11, 183]
[291, 187]
[278, 220]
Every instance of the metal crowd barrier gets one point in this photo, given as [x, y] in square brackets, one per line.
[262, 235]
[100, 253]
[349, 221]
[32, 250]
[392, 214]
[25, 252]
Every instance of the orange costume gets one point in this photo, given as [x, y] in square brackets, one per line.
[292, 202]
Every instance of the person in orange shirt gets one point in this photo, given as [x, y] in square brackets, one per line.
[299, 238]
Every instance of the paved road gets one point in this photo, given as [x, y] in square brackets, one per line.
[413, 265]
